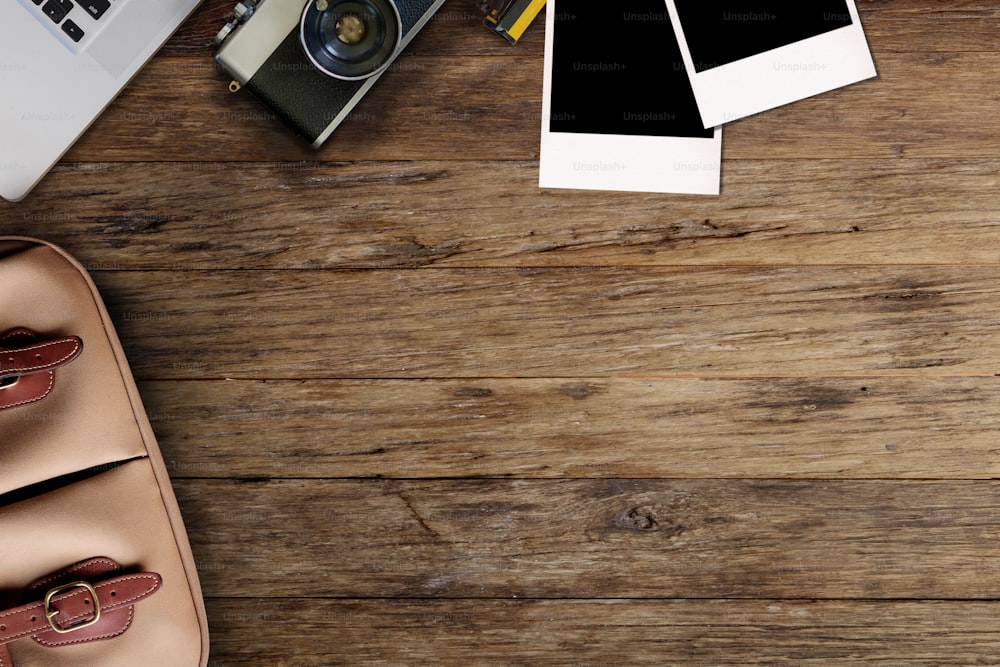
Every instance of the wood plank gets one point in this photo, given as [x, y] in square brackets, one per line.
[572, 633]
[591, 428]
[382, 215]
[456, 30]
[565, 323]
[890, 25]
[586, 539]
[927, 105]
[918, 26]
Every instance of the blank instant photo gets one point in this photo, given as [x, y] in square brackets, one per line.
[618, 112]
[746, 57]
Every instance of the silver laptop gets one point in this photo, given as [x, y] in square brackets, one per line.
[61, 63]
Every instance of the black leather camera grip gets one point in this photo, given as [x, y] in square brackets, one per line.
[304, 98]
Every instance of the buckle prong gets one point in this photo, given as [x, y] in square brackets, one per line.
[50, 613]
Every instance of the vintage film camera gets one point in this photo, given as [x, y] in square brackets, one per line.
[311, 61]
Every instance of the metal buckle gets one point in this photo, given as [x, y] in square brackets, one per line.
[50, 613]
[10, 381]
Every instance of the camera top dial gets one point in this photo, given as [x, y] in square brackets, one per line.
[350, 39]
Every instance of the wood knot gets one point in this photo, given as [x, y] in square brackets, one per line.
[638, 518]
[643, 519]
[581, 390]
[473, 392]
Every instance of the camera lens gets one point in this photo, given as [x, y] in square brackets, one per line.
[350, 39]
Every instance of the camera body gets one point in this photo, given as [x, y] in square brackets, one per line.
[312, 61]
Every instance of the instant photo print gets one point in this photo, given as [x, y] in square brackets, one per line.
[618, 112]
[746, 57]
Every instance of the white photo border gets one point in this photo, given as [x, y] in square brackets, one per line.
[778, 76]
[631, 163]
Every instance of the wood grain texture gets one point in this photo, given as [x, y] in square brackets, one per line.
[185, 216]
[611, 538]
[604, 633]
[419, 411]
[831, 428]
[798, 321]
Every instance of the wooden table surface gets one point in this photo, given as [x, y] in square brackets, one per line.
[419, 411]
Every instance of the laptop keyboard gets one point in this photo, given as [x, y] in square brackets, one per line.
[73, 21]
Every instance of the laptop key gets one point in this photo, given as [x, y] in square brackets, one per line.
[74, 31]
[57, 9]
[95, 8]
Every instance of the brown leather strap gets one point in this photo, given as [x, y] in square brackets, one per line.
[78, 606]
[38, 357]
[27, 366]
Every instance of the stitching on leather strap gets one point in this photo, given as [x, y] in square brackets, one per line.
[41, 346]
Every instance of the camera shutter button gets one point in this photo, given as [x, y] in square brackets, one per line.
[243, 10]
